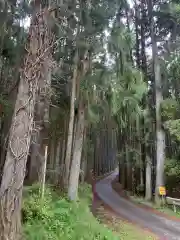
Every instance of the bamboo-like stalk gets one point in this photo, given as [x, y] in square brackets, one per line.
[44, 172]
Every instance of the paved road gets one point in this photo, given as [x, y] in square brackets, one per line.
[162, 227]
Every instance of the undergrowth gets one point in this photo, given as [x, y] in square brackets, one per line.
[55, 218]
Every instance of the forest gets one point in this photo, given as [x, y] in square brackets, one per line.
[86, 87]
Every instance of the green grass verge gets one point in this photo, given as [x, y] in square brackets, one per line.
[131, 232]
[167, 209]
[56, 218]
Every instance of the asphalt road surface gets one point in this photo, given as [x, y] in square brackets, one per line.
[159, 225]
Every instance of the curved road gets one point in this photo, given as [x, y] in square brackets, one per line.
[162, 227]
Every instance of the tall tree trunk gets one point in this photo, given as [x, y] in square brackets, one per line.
[137, 18]
[160, 135]
[133, 181]
[33, 170]
[42, 115]
[144, 69]
[77, 151]
[129, 30]
[43, 181]
[141, 173]
[63, 149]
[148, 194]
[84, 157]
[71, 123]
[57, 162]
[144, 146]
[128, 165]
[143, 38]
[5, 125]
[123, 169]
[21, 129]
[52, 152]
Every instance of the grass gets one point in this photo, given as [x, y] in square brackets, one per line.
[56, 218]
[167, 209]
[128, 231]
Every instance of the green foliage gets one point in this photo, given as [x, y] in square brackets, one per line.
[172, 177]
[175, 11]
[34, 208]
[169, 108]
[140, 189]
[174, 128]
[56, 218]
[93, 114]
[5, 106]
[172, 168]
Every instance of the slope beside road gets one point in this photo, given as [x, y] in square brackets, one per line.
[159, 225]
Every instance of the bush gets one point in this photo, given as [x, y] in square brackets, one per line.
[172, 177]
[56, 218]
[172, 168]
[140, 189]
[34, 208]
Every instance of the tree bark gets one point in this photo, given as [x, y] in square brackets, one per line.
[76, 159]
[160, 135]
[148, 193]
[5, 126]
[57, 162]
[137, 18]
[143, 38]
[123, 169]
[71, 124]
[84, 157]
[44, 173]
[33, 170]
[52, 153]
[42, 114]
[128, 165]
[21, 130]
